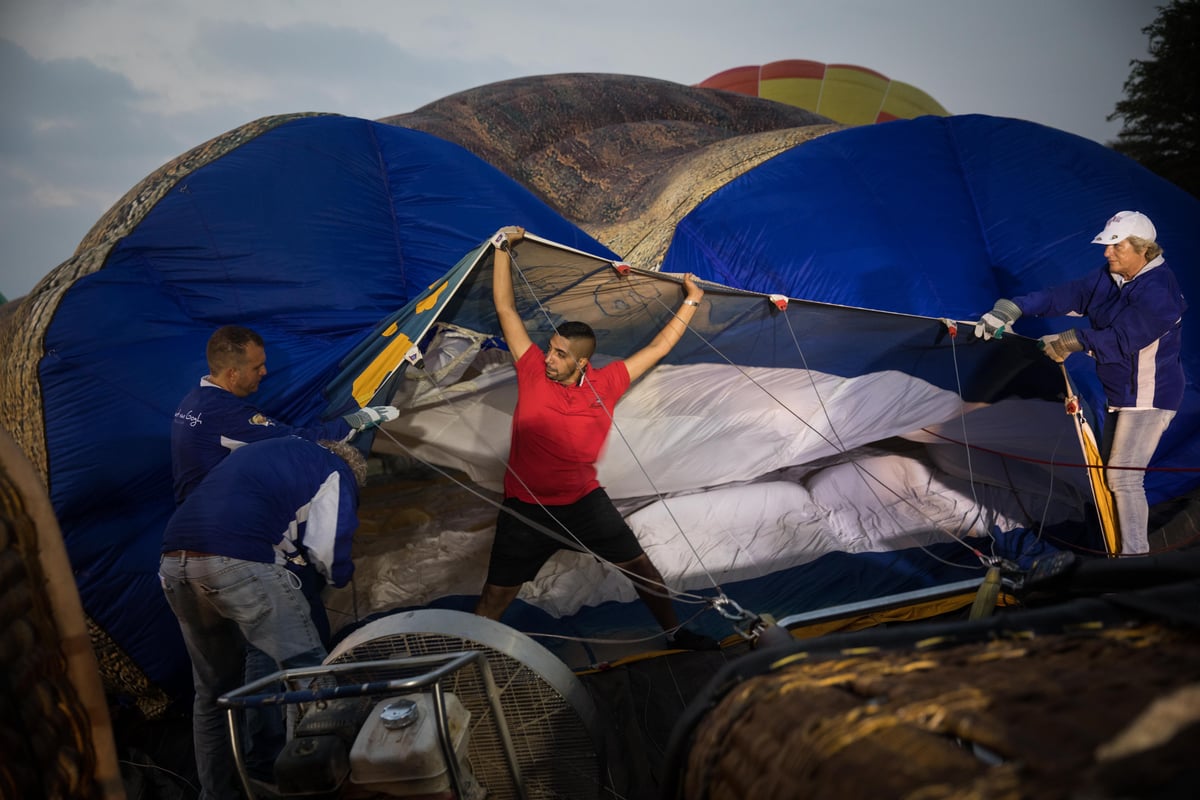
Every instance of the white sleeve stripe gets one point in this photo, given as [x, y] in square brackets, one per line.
[320, 535]
[231, 444]
[1147, 375]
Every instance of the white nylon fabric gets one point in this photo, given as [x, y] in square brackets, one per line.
[684, 427]
[725, 499]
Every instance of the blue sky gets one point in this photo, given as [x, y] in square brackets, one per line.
[99, 93]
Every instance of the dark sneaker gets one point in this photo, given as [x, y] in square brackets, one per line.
[683, 639]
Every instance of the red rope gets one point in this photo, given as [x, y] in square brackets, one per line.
[1186, 543]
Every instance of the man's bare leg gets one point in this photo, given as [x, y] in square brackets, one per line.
[654, 594]
[652, 590]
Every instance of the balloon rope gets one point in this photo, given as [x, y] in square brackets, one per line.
[569, 539]
[838, 445]
[962, 418]
[865, 474]
[616, 427]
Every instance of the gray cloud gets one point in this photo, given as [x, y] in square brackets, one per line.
[98, 95]
[79, 135]
[72, 134]
[310, 67]
[68, 106]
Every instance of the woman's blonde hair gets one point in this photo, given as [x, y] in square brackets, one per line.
[1151, 250]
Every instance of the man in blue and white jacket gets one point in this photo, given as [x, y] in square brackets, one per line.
[224, 571]
[1135, 308]
[215, 418]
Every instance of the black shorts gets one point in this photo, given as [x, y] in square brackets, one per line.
[520, 549]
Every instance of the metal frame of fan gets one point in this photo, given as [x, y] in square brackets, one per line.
[551, 720]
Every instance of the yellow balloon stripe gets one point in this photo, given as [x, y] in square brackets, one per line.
[851, 95]
[846, 93]
[371, 378]
[800, 92]
[905, 101]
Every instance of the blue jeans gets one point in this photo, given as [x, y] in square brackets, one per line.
[264, 728]
[222, 604]
[1130, 438]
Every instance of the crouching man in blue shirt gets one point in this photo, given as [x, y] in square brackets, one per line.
[223, 570]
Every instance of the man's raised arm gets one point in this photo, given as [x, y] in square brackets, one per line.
[511, 323]
[640, 362]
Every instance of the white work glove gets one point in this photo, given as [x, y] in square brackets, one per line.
[1003, 314]
[505, 237]
[1060, 345]
[371, 416]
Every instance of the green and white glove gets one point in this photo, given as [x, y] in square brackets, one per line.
[371, 416]
[1003, 314]
[1060, 345]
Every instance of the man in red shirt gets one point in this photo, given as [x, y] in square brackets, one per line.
[561, 421]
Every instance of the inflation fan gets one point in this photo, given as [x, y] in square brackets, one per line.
[437, 703]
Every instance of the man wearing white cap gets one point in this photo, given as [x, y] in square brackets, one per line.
[1135, 308]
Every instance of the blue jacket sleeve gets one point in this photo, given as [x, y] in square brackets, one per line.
[1122, 320]
[1074, 297]
[211, 423]
[1152, 310]
[249, 424]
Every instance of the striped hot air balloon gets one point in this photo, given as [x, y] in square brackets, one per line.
[846, 93]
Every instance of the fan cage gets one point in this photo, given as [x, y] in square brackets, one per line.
[549, 715]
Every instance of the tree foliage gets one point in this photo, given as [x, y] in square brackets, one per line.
[1161, 109]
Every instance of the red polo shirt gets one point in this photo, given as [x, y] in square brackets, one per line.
[558, 431]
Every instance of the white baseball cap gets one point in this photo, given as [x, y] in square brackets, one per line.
[1124, 224]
